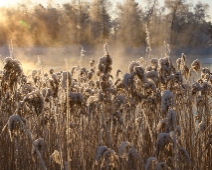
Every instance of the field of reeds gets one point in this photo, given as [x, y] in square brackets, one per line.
[152, 117]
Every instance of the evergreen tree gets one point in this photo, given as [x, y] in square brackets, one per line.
[131, 29]
[100, 20]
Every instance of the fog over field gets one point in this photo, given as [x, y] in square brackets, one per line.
[54, 57]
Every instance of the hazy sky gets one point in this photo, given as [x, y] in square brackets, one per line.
[44, 2]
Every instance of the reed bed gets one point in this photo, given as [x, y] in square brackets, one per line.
[152, 117]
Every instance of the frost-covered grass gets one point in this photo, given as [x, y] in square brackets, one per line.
[152, 116]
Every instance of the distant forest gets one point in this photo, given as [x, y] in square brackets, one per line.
[178, 23]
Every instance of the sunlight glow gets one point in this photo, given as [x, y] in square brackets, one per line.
[3, 3]
[14, 2]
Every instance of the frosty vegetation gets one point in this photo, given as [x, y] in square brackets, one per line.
[152, 117]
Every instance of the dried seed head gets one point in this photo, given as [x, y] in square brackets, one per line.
[166, 100]
[105, 64]
[161, 166]
[139, 71]
[132, 65]
[183, 155]
[13, 125]
[123, 147]
[195, 65]
[151, 163]
[75, 99]
[55, 157]
[162, 140]
[39, 144]
[178, 62]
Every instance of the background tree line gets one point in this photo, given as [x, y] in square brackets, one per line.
[81, 22]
